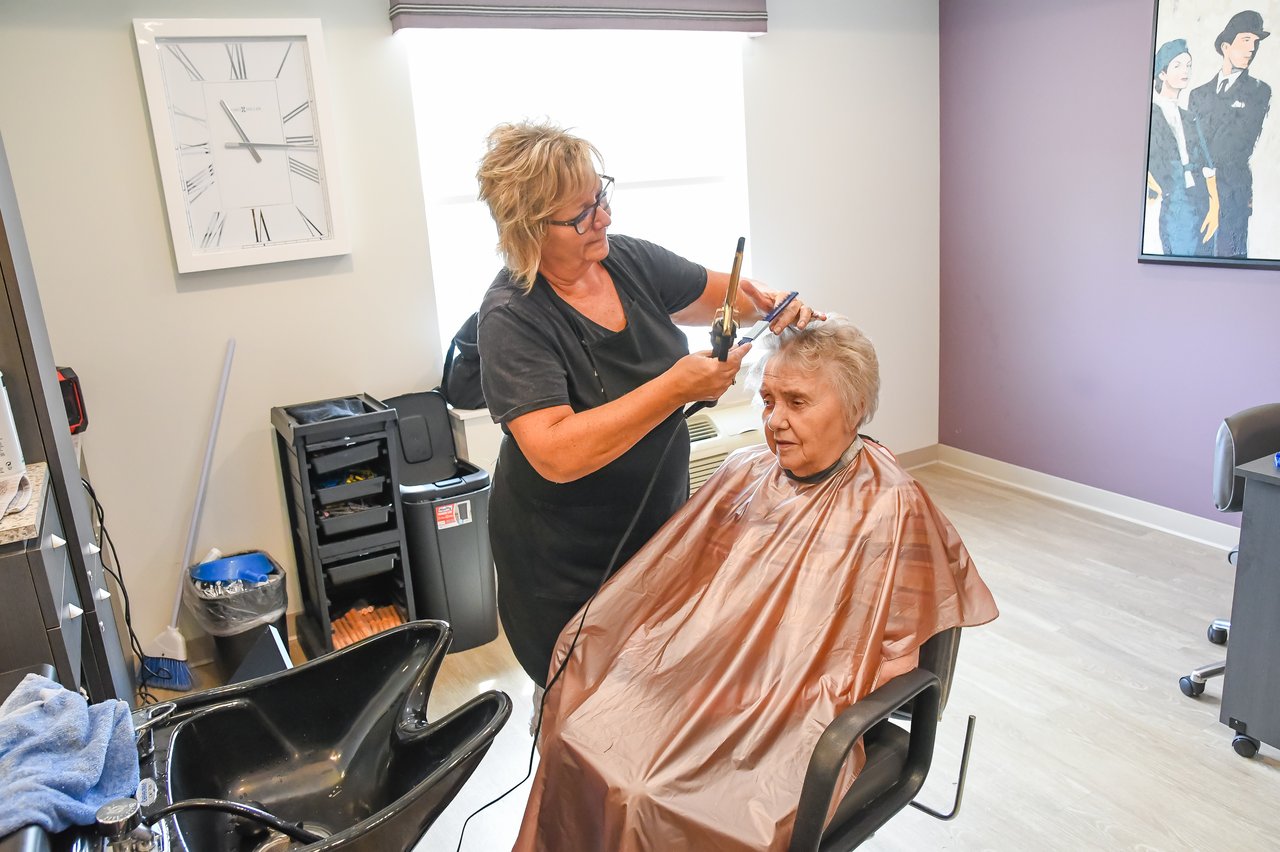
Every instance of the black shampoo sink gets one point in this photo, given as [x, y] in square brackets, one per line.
[341, 745]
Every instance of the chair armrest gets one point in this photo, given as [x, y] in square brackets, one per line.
[838, 740]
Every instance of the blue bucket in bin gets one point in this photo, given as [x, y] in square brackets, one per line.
[253, 567]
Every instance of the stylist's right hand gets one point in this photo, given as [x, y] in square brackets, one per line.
[703, 377]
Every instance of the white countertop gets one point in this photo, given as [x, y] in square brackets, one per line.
[26, 524]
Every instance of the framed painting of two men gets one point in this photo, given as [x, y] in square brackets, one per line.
[1213, 150]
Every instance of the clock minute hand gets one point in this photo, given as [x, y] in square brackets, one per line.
[257, 158]
[268, 145]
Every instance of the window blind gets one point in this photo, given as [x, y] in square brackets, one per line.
[723, 15]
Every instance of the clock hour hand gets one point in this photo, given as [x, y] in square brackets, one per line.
[257, 158]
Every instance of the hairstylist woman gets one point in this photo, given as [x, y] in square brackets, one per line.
[584, 367]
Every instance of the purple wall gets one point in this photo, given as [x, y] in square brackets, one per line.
[1060, 352]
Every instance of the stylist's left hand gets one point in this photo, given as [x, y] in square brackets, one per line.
[797, 313]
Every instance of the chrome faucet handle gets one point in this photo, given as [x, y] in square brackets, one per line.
[146, 717]
[117, 818]
[120, 828]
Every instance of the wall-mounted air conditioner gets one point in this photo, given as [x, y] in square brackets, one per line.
[716, 432]
[713, 434]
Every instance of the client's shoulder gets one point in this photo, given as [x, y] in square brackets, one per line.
[885, 461]
[885, 473]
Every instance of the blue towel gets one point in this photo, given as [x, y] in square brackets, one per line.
[60, 757]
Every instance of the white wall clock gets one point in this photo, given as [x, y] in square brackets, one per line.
[242, 129]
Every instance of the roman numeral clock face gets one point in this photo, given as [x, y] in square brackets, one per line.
[247, 145]
[246, 175]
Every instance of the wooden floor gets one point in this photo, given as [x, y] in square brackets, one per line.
[1084, 741]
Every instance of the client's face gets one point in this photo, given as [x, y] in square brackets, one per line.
[805, 422]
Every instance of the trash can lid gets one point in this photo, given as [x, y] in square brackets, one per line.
[253, 567]
[426, 438]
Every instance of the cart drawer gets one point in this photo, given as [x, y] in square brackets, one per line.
[363, 567]
[349, 522]
[354, 454]
[350, 491]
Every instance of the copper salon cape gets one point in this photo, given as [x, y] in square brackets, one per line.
[710, 664]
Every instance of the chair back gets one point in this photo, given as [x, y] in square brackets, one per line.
[938, 655]
[1242, 437]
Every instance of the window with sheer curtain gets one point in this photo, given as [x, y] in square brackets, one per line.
[665, 109]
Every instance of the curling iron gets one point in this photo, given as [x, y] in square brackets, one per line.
[724, 328]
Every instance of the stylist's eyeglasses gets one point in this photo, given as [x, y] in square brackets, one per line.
[584, 220]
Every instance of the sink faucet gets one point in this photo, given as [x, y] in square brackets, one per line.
[146, 717]
[120, 828]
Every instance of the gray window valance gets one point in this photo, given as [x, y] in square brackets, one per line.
[727, 15]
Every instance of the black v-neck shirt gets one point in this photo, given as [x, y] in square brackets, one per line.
[552, 542]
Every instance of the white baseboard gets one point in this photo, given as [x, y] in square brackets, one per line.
[1184, 524]
[918, 458]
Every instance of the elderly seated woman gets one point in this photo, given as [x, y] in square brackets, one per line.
[797, 580]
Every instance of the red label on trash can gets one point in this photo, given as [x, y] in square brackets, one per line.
[453, 514]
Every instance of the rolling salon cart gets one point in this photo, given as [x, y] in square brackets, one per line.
[446, 521]
[338, 467]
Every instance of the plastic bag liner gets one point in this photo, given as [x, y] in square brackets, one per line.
[711, 663]
[330, 409]
[231, 608]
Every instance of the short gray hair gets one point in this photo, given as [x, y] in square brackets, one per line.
[835, 346]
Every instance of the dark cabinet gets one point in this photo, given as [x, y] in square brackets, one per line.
[342, 491]
[26, 360]
[42, 615]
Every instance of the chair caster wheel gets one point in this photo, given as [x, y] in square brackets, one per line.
[1244, 745]
[1189, 687]
[1217, 635]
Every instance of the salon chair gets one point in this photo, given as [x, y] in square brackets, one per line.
[1244, 436]
[897, 758]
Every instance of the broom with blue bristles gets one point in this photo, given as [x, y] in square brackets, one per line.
[164, 659]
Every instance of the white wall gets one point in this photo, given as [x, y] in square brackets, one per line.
[148, 343]
[842, 127]
[842, 164]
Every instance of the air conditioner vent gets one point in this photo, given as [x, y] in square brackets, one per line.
[716, 433]
[700, 469]
[701, 428]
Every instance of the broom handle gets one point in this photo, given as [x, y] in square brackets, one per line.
[204, 480]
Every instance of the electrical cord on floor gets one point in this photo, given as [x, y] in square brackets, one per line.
[145, 695]
[608, 572]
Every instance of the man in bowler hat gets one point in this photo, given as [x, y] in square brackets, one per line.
[1230, 109]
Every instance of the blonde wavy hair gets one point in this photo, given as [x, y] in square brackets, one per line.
[529, 170]
[836, 346]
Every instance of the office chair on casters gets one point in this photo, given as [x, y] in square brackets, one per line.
[897, 759]
[1244, 436]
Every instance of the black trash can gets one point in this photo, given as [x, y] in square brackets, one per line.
[446, 523]
[235, 612]
[232, 650]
